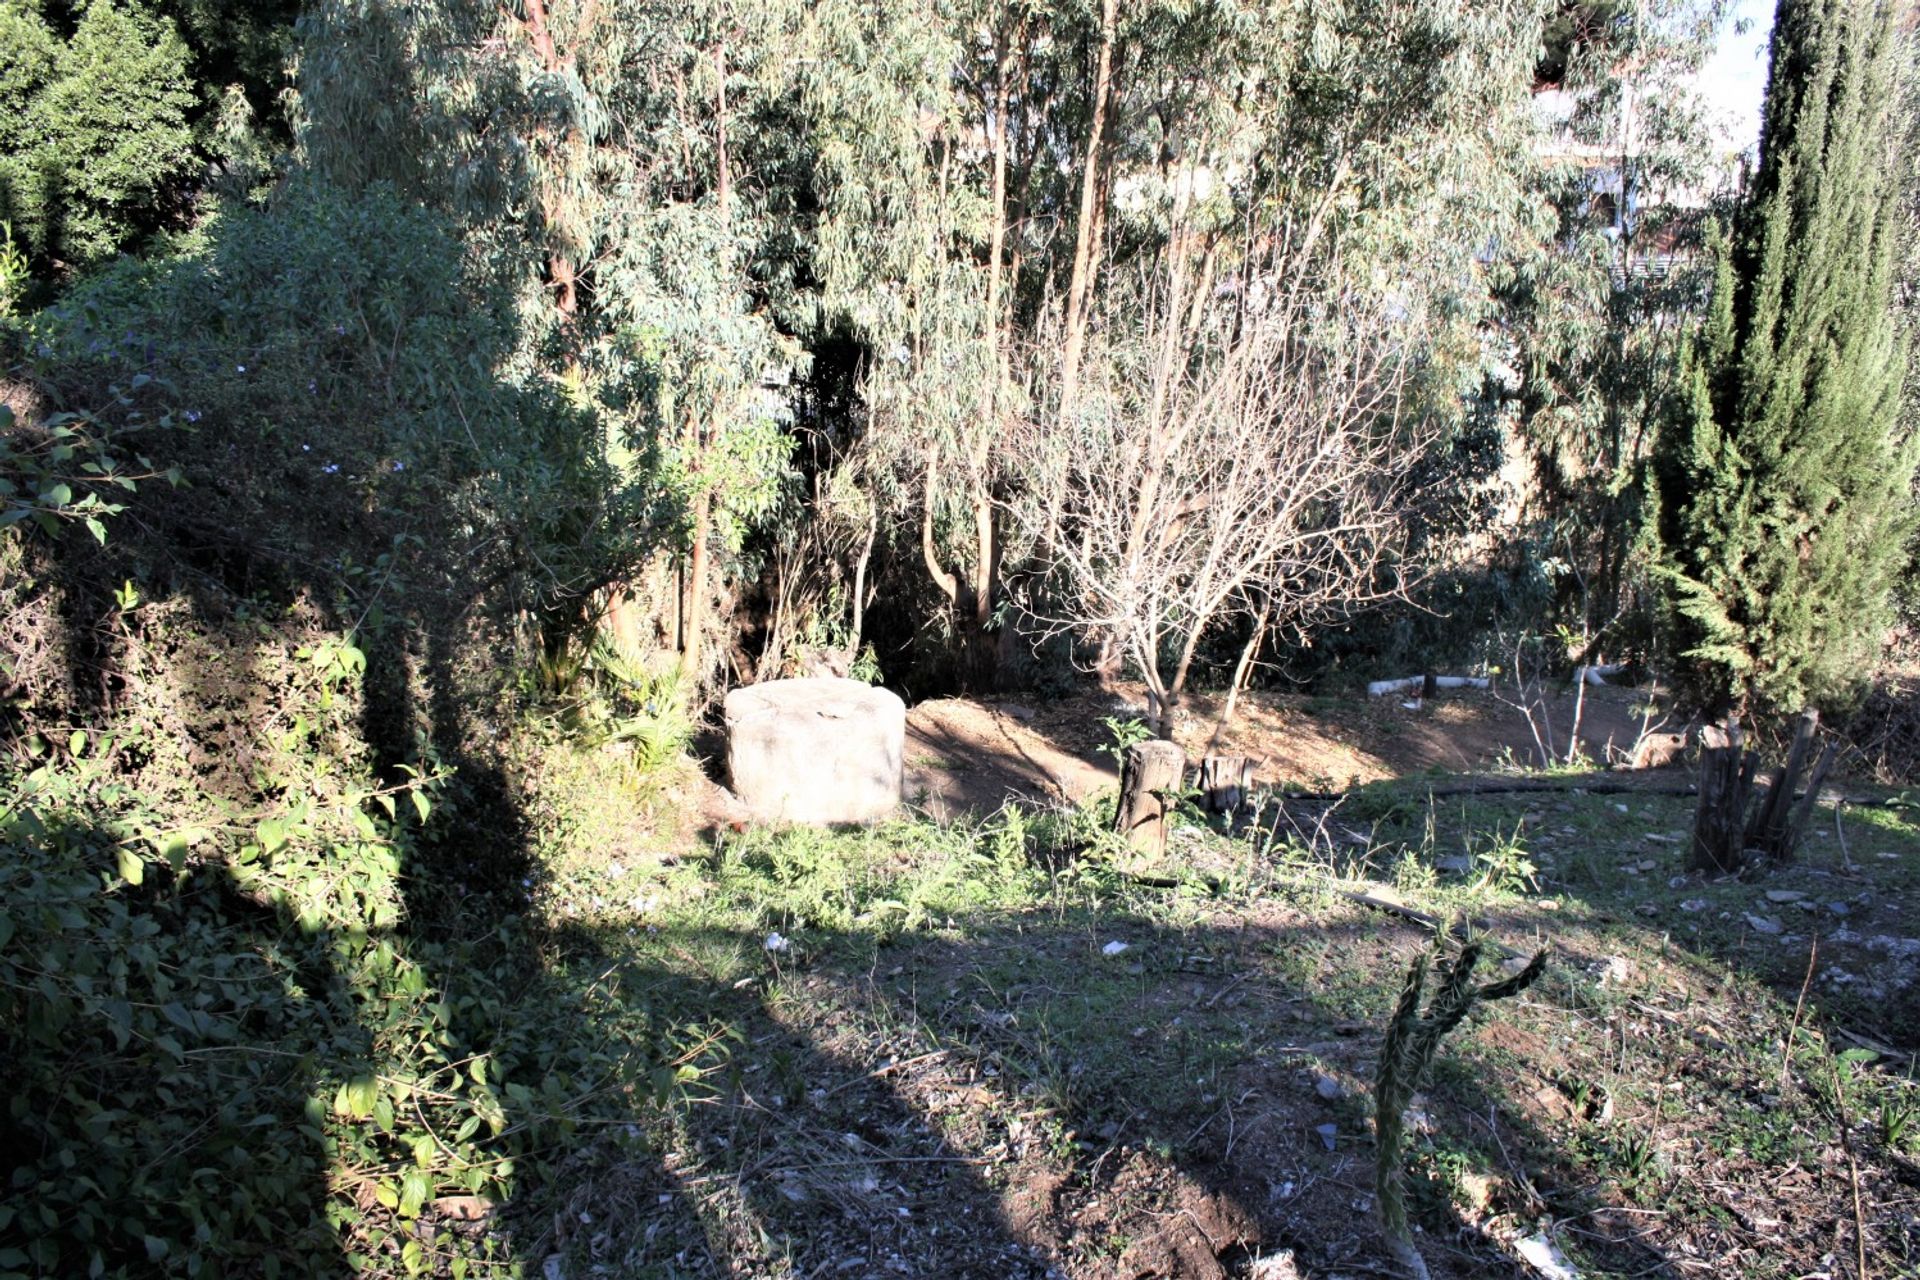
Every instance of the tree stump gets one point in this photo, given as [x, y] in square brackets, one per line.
[1725, 834]
[1150, 778]
[1224, 782]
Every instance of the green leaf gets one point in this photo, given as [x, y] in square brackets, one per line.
[386, 1195]
[272, 834]
[413, 1257]
[414, 1190]
[132, 869]
[59, 495]
[421, 805]
[173, 846]
[355, 1099]
[77, 743]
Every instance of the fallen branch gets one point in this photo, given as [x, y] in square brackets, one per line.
[1589, 784]
[1371, 900]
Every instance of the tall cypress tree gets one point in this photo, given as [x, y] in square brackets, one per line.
[1784, 478]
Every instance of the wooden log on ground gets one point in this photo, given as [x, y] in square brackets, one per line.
[1150, 776]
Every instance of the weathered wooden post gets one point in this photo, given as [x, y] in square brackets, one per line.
[1778, 823]
[1224, 782]
[1718, 816]
[1724, 832]
[1150, 776]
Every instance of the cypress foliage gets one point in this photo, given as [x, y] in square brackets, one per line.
[1784, 479]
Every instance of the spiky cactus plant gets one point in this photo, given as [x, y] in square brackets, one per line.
[1412, 1040]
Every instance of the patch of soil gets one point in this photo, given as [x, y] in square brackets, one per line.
[972, 757]
[968, 756]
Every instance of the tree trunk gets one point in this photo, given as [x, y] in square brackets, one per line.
[1715, 840]
[1244, 668]
[1728, 826]
[704, 435]
[948, 583]
[857, 623]
[696, 602]
[1150, 777]
[1083, 247]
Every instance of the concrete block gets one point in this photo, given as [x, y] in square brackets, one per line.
[817, 750]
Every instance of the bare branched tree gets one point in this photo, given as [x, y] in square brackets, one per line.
[1243, 452]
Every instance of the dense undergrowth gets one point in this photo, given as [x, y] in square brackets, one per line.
[290, 549]
[266, 1000]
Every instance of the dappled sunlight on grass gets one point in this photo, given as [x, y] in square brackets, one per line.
[985, 1021]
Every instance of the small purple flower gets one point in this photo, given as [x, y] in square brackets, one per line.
[312, 387]
[332, 468]
[239, 368]
[399, 466]
[193, 415]
[306, 448]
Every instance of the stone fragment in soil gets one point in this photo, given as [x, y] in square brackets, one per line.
[1763, 924]
[1275, 1266]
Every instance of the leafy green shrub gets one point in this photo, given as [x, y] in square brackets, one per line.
[268, 994]
[238, 1040]
[352, 375]
[99, 130]
[72, 466]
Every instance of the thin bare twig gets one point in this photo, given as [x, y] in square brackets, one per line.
[1793, 1028]
[1853, 1170]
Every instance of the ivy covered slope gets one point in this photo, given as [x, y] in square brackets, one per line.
[269, 810]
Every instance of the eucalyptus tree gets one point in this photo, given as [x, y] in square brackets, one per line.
[1292, 281]
[1596, 305]
[623, 167]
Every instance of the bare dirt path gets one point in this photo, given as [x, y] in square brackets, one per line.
[973, 756]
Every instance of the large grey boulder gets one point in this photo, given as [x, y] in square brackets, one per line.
[818, 750]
